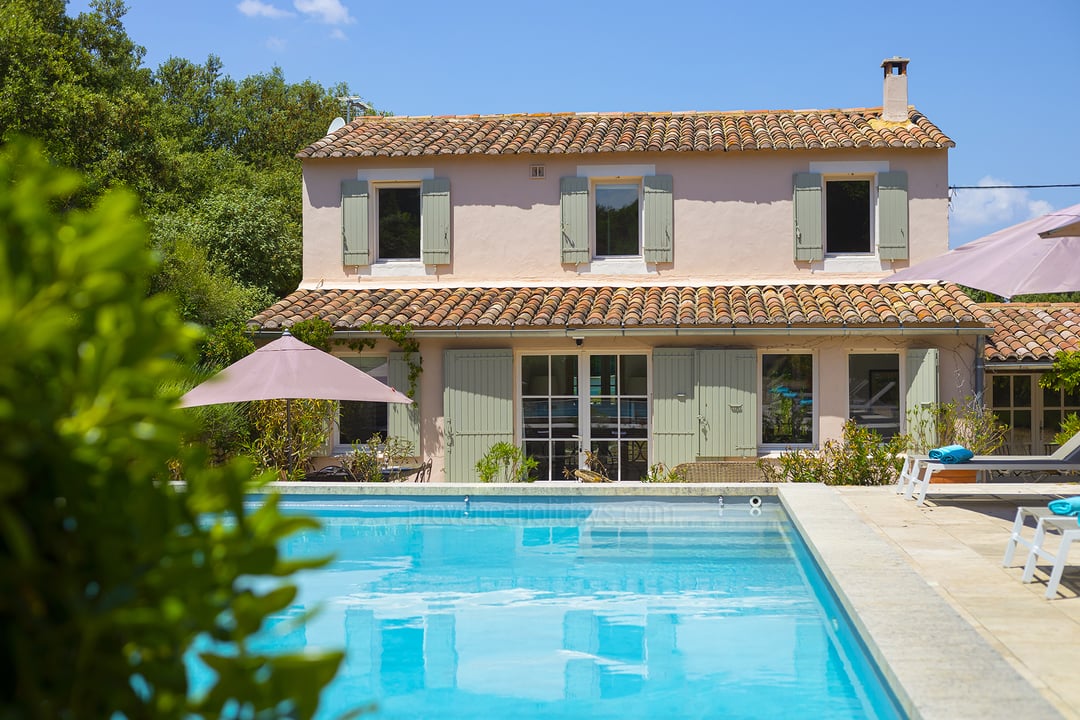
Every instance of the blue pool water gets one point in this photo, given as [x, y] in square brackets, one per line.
[575, 608]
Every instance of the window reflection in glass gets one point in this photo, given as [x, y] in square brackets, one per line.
[399, 223]
[847, 216]
[358, 421]
[549, 405]
[617, 220]
[787, 412]
[874, 392]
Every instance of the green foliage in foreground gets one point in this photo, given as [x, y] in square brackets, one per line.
[108, 575]
[859, 458]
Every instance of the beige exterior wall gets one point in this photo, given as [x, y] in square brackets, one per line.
[733, 218]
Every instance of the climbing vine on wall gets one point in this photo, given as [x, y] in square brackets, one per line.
[400, 335]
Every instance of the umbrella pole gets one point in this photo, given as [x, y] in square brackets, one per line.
[288, 438]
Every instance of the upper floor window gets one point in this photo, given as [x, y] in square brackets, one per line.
[848, 210]
[861, 212]
[395, 219]
[617, 219]
[399, 223]
[617, 213]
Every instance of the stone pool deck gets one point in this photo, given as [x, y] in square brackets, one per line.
[955, 543]
[957, 635]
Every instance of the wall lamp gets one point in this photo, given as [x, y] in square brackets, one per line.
[578, 340]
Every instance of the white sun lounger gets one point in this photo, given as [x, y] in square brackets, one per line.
[919, 470]
[1069, 530]
[1064, 525]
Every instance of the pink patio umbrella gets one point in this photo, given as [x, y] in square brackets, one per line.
[1037, 256]
[288, 369]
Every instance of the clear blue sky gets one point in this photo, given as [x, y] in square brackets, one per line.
[1000, 78]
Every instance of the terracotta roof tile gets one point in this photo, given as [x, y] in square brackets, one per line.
[1032, 332]
[558, 133]
[746, 306]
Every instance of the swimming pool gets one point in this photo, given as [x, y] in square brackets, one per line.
[575, 608]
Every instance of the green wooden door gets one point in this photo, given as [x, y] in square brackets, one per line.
[674, 428]
[727, 403]
[478, 406]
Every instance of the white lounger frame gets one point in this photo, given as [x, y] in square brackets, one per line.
[1063, 525]
[918, 470]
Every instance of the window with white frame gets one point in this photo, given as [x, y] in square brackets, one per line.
[874, 392]
[849, 204]
[616, 218]
[396, 218]
[787, 400]
[358, 421]
[398, 228]
[851, 209]
[615, 215]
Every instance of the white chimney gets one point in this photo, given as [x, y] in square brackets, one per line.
[895, 105]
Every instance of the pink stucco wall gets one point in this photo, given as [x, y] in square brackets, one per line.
[733, 217]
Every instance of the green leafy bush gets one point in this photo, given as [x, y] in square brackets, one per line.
[288, 433]
[367, 460]
[1064, 374]
[859, 458]
[1070, 426]
[659, 473]
[967, 422]
[109, 574]
[505, 462]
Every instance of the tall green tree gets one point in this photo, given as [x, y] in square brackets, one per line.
[109, 576]
[78, 85]
[211, 158]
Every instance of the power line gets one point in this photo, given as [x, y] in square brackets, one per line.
[1010, 187]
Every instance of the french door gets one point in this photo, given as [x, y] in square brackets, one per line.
[597, 403]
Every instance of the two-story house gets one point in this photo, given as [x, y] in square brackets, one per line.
[653, 287]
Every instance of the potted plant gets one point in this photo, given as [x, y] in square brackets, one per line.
[967, 422]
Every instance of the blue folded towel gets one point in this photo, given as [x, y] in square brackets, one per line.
[1066, 506]
[951, 454]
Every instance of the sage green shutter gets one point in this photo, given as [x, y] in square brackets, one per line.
[574, 208]
[674, 429]
[435, 221]
[659, 218]
[478, 405]
[402, 421]
[354, 222]
[921, 391]
[892, 216]
[727, 403]
[809, 243]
